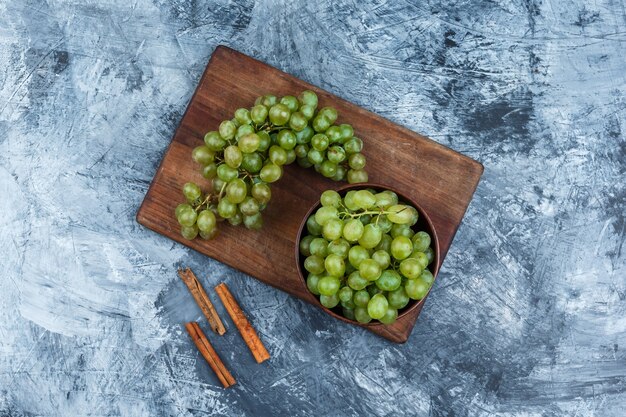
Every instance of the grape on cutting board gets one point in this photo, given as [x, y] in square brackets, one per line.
[246, 154]
[364, 254]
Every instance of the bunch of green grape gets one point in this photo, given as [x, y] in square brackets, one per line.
[362, 254]
[248, 153]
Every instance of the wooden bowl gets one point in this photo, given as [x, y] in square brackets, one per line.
[424, 223]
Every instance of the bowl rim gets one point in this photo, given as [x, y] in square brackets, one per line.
[417, 304]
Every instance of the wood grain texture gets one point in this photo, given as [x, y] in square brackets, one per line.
[440, 179]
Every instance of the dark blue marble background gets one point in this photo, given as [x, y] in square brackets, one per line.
[528, 317]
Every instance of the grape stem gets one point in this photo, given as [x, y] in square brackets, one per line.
[364, 212]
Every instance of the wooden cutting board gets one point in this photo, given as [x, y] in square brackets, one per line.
[441, 180]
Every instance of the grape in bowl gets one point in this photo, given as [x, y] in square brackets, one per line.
[367, 253]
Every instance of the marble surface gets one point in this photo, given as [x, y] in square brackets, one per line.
[528, 316]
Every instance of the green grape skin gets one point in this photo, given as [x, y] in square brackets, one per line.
[315, 157]
[313, 227]
[371, 236]
[305, 135]
[209, 235]
[226, 173]
[189, 232]
[389, 280]
[377, 306]
[209, 171]
[319, 247]
[401, 230]
[307, 111]
[249, 143]
[339, 247]
[421, 241]
[361, 315]
[259, 114]
[187, 217]
[411, 268]
[364, 199]
[353, 230]
[326, 213]
[401, 247]
[314, 264]
[390, 316]
[361, 298]
[233, 156]
[356, 176]
[430, 254]
[227, 130]
[305, 245]
[357, 254]
[345, 294]
[330, 198]
[279, 114]
[365, 219]
[319, 142]
[286, 139]
[347, 304]
[346, 131]
[269, 100]
[235, 220]
[309, 98]
[427, 277]
[182, 207]
[265, 140]
[243, 116]
[329, 301]
[416, 289]
[356, 281]
[384, 200]
[357, 161]
[249, 206]
[334, 134]
[382, 222]
[226, 209]
[270, 173]
[291, 157]
[348, 200]
[278, 155]
[301, 150]
[218, 184]
[382, 258]
[320, 123]
[385, 243]
[373, 290]
[192, 192]
[291, 102]
[353, 146]
[298, 121]
[243, 130]
[340, 174]
[304, 162]
[421, 258]
[330, 113]
[206, 221]
[214, 141]
[202, 155]
[312, 281]
[332, 229]
[328, 169]
[401, 214]
[328, 285]
[261, 192]
[336, 154]
[348, 313]
[334, 265]
[398, 298]
[235, 122]
[369, 269]
[236, 191]
[251, 162]
[254, 222]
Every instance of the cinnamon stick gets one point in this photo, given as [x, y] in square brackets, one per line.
[248, 333]
[203, 301]
[207, 351]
